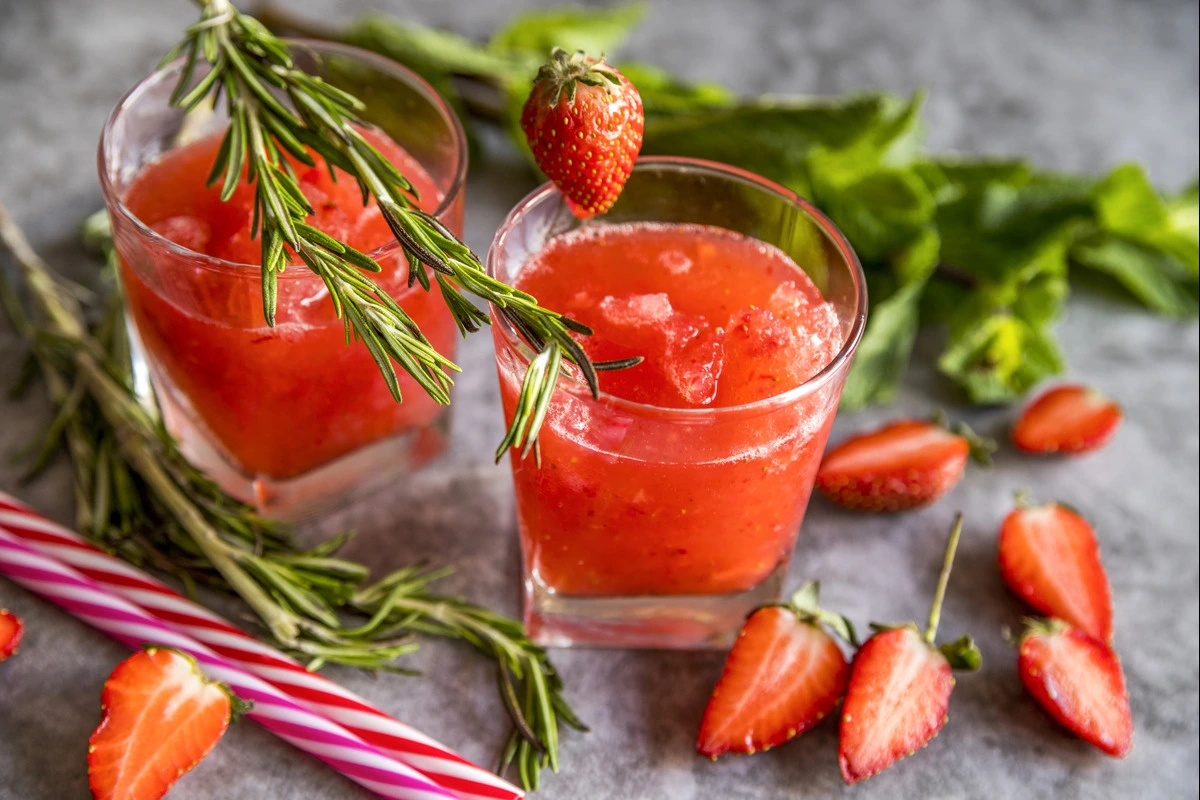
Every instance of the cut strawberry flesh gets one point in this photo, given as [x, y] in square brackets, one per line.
[1050, 558]
[160, 718]
[902, 465]
[896, 702]
[1079, 681]
[11, 632]
[1067, 419]
[782, 677]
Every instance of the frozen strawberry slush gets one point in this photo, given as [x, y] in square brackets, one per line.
[686, 489]
[277, 401]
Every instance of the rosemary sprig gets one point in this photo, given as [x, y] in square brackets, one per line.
[254, 72]
[138, 497]
[528, 683]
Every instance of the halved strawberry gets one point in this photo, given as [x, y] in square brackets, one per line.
[11, 631]
[899, 689]
[161, 716]
[1049, 557]
[784, 674]
[1067, 419]
[904, 464]
[584, 124]
[1079, 681]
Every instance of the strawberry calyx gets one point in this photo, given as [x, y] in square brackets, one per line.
[1039, 626]
[981, 447]
[565, 71]
[804, 603]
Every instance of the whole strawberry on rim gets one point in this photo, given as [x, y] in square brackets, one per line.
[584, 123]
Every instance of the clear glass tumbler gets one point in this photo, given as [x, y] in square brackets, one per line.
[663, 527]
[289, 418]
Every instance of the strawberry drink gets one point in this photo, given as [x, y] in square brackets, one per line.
[667, 508]
[290, 416]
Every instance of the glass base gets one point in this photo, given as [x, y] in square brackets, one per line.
[291, 499]
[330, 485]
[671, 622]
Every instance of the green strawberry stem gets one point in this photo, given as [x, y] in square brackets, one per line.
[805, 604]
[935, 611]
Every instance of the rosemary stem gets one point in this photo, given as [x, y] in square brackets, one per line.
[56, 382]
[131, 424]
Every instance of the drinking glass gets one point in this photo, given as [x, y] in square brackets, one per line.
[290, 418]
[663, 527]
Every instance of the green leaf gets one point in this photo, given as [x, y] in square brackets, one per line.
[891, 141]
[1159, 281]
[663, 93]
[1129, 207]
[993, 230]
[772, 137]
[951, 177]
[1000, 357]
[1182, 236]
[432, 53]
[879, 213]
[885, 349]
[1127, 204]
[595, 31]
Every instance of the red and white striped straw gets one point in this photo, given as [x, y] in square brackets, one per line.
[320, 695]
[272, 709]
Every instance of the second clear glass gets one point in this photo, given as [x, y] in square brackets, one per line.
[662, 527]
[290, 418]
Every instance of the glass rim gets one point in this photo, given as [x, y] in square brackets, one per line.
[384, 64]
[684, 163]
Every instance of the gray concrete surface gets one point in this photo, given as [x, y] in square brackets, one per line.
[1078, 85]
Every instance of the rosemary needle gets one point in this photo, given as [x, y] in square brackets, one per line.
[277, 110]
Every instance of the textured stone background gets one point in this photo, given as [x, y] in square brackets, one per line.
[1077, 85]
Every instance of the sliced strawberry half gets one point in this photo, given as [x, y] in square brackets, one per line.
[1067, 419]
[161, 716]
[1050, 558]
[1078, 679]
[899, 688]
[904, 464]
[11, 631]
[784, 674]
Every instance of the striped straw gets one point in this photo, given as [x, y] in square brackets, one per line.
[320, 695]
[275, 711]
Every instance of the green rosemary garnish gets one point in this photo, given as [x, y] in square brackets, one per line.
[251, 69]
[136, 496]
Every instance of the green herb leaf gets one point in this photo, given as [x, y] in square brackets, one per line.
[1155, 278]
[595, 31]
[433, 53]
[998, 357]
[663, 93]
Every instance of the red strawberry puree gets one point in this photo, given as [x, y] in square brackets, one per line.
[636, 501]
[278, 401]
